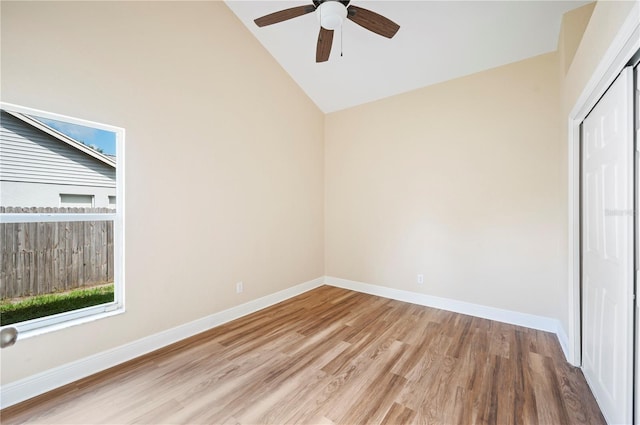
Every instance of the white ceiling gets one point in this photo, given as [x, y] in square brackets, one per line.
[437, 41]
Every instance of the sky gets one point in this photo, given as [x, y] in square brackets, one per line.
[93, 137]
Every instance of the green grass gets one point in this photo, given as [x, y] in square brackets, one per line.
[46, 305]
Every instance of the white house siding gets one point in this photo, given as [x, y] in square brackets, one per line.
[35, 168]
[19, 194]
[29, 155]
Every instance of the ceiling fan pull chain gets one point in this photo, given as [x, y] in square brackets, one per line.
[341, 27]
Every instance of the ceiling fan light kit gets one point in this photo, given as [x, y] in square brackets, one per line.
[331, 14]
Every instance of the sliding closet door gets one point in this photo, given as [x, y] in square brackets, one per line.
[607, 250]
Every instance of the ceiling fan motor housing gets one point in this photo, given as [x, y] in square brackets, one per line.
[331, 14]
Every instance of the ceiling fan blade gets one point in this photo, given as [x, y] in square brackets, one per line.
[373, 21]
[283, 15]
[325, 39]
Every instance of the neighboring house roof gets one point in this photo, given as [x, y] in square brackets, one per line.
[33, 152]
[107, 159]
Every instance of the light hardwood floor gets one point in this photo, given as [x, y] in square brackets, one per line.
[335, 356]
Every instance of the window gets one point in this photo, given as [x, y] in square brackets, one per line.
[79, 201]
[65, 252]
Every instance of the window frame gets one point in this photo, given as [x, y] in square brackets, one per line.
[74, 317]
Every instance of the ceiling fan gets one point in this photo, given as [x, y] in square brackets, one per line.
[331, 14]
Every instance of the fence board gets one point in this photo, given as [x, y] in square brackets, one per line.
[45, 257]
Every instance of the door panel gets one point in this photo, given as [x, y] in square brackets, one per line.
[607, 250]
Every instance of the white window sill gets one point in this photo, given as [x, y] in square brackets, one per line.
[65, 324]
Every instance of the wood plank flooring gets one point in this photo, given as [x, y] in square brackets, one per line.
[333, 356]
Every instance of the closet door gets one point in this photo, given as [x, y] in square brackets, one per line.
[607, 250]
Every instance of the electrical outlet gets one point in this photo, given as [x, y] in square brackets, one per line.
[420, 279]
[239, 287]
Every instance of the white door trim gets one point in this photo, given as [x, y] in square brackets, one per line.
[624, 46]
[636, 118]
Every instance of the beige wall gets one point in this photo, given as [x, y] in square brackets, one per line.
[224, 157]
[459, 181]
[573, 26]
[606, 20]
[464, 181]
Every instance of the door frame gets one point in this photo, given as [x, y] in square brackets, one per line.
[622, 49]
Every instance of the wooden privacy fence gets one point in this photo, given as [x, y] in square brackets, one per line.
[41, 258]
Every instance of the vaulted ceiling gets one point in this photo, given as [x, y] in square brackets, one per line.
[437, 41]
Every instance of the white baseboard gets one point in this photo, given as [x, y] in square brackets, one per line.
[563, 339]
[32, 386]
[29, 387]
[506, 316]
